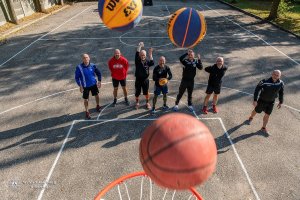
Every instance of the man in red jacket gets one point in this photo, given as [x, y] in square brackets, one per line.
[118, 66]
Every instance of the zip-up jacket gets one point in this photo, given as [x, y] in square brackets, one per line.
[118, 68]
[215, 74]
[142, 68]
[189, 69]
[85, 75]
[268, 91]
[161, 72]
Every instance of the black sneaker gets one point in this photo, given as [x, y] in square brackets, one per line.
[265, 131]
[127, 102]
[98, 108]
[153, 111]
[114, 103]
[249, 120]
[165, 107]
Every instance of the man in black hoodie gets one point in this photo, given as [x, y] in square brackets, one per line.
[142, 66]
[216, 73]
[265, 94]
[188, 74]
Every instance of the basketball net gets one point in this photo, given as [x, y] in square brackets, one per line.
[138, 185]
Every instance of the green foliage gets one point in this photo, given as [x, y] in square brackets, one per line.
[284, 7]
[289, 19]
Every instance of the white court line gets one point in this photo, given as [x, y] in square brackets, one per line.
[149, 110]
[228, 137]
[43, 36]
[39, 99]
[42, 98]
[240, 160]
[254, 35]
[117, 119]
[134, 45]
[174, 5]
[55, 162]
[168, 9]
[138, 37]
[135, 119]
[103, 38]
[110, 105]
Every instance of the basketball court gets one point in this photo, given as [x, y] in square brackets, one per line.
[49, 151]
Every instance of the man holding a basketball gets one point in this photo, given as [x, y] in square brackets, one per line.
[265, 94]
[118, 66]
[85, 79]
[160, 73]
[188, 74]
[142, 66]
[216, 73]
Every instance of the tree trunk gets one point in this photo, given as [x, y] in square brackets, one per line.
[37, 6]
[61, 2]
[5, 11]
[12, 12]
[274, 10]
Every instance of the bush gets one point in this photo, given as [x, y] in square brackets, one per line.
[284, 7]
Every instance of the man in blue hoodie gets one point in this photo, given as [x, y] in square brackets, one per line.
[85, 78]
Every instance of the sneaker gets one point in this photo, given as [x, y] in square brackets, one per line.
[265, 131]
[204, 110]
[98, 108]
[87, 115]
[148, 106]
[215, 109]
[137, 105]
[191, 108]
[175, 108]
[165, 107]
[127, 102]
[249, 120]
[114, 103]
[153, 111]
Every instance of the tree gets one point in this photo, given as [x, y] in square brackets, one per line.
[274, 10]
[11, 11]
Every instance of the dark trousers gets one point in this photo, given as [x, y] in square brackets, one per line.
[185, 84]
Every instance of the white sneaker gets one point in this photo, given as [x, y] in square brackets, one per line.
[148, 106]
[175, 108]
[137, 105]
[191, 108]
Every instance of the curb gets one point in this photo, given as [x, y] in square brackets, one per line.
[30, 23]
[259, 18]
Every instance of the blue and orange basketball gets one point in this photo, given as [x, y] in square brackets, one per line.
[120, 15]
[186, 27]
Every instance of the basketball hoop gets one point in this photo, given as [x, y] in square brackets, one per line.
[129, 183]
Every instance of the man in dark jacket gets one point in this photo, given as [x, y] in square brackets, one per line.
[188, 74]
[216, 73]
[265, 94]
[142, 66]
[161, 71]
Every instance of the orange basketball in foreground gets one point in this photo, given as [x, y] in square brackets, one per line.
[178, 151]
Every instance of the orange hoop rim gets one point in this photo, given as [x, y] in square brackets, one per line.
[131, 175]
